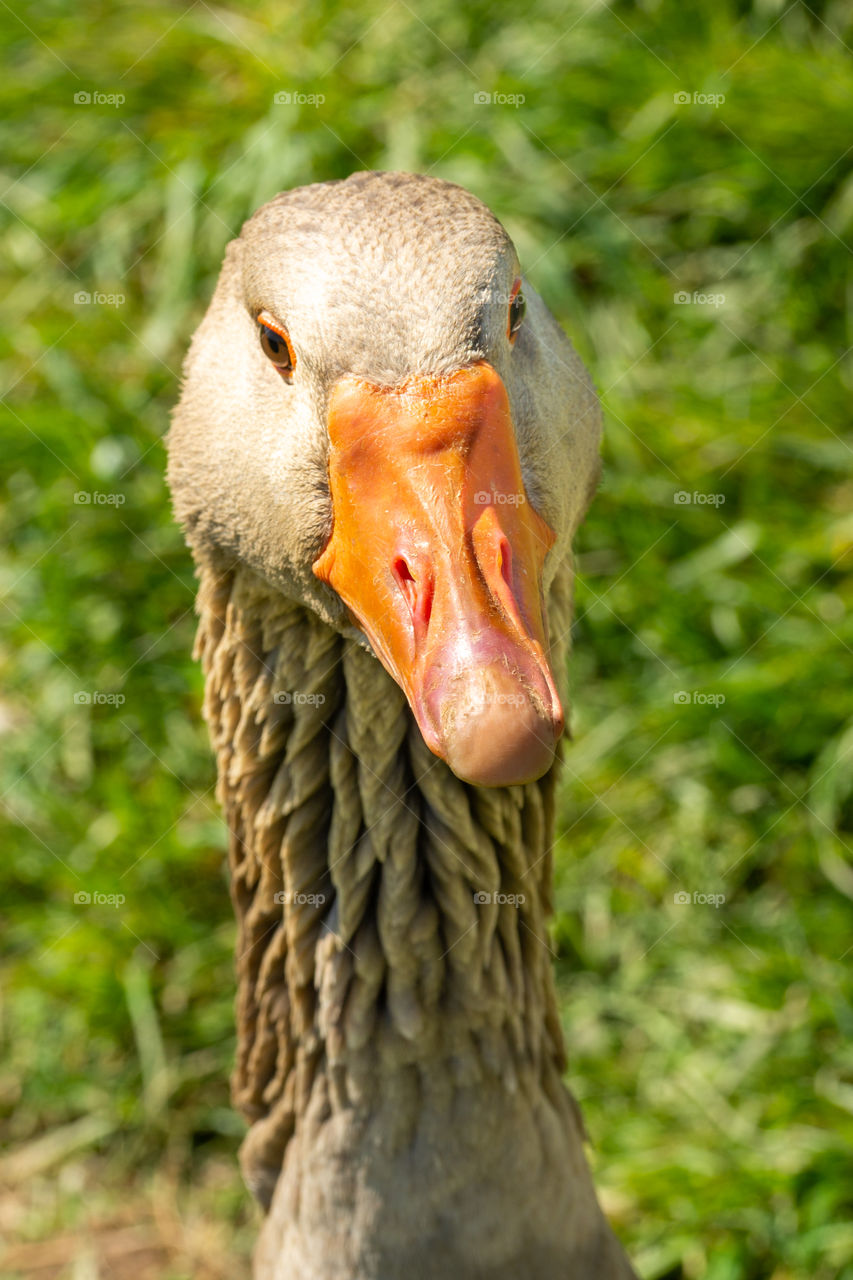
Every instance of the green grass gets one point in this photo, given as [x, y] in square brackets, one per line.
[710, 1045]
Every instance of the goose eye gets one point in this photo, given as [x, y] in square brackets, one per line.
[517, 307]
[275, 345]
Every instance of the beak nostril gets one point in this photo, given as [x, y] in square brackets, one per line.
[418, 595]
[505, 562]
[405, 580]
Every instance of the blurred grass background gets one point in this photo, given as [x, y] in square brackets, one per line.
[710, 1045]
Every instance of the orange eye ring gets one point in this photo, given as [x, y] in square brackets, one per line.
[276, 346]
[515, 313]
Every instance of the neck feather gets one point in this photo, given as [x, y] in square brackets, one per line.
[392, 919]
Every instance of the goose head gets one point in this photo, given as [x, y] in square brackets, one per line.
[381, 418]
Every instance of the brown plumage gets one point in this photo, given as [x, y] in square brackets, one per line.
[400, 1052]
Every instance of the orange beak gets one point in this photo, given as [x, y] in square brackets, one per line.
[438, 555]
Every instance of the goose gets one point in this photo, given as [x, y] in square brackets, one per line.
[382, 448]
